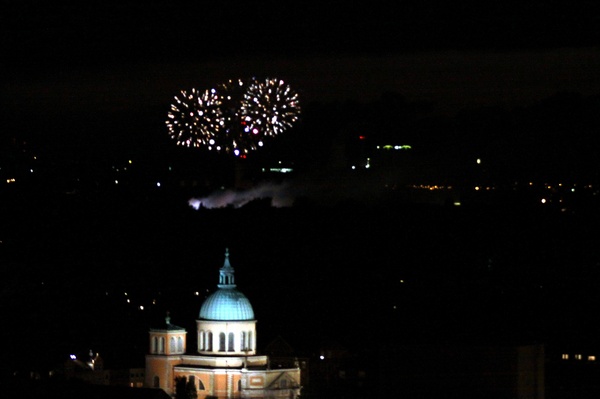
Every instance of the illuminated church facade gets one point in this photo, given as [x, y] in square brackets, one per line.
[226, 364]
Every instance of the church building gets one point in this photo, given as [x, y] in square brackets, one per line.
[226, 363]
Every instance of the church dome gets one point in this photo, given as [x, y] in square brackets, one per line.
[226, 303]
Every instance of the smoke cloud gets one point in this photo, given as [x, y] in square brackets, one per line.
[326, 187]
[281, 195]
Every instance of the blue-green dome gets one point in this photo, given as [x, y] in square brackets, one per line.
[227, 303]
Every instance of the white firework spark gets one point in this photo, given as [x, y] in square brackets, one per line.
[270, 107]
[194, 118]
[234, 118]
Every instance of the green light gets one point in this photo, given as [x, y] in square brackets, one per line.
[396, 147]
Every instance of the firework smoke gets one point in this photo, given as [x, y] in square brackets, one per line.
[281, 195]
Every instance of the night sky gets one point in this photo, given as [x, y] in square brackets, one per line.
[109, 56]
[87, 85]
[102, 74]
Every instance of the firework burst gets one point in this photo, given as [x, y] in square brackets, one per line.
[234, 137]
[270, 107]
[194, 118]
[235, 117]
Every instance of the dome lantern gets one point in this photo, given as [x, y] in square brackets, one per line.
[226, 303]
[226, 273]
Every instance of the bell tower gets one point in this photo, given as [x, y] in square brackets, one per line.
[167, 346]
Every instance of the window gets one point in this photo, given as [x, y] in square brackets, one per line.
[578, 356]
[201, 386]
[592, 358]
[230, 343]
[245, 341]
[156, 382]
[222, 342]
[565, 356]
[179, 344]
[201, 340]
[209, 341]
[172, 346]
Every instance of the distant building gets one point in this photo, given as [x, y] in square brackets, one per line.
[573, 370]
[91, 370]
[226, 364]
[282, 355]
[465, 371]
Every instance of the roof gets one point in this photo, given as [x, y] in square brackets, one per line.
[168, 326]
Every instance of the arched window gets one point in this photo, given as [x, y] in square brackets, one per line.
[209, 341]
[154, 348]
[230, 343]
[239, 385]
[161, 345]
[250, 342]
[201, 386]
[156, 382]
[201, 340]
[222, 342]
[179, 345]
[172, 345]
